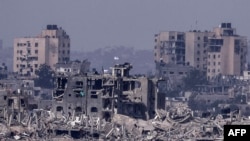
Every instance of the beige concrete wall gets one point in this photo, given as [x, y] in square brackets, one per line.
[163, 53]
[53, 52]
[214, 64]
[53, 47]
[38, 52]
[231, 63]
[196, 49]
[227, 62]
[190, 48]
[59, 46]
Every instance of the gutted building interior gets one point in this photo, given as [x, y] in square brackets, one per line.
[101, 96]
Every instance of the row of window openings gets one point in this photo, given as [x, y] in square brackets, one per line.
[29, 58]
[64, 59]
[26, 44]
[204, 66]
[27, 72]
[23, 66]
[63, 52]
[204, 59]
[198, 59]
[93, 96]
[36, 44]
[198, 45]
[204, 45]
[36, 51]
[198, 52]
[64, 44]
[214, 56]
[213, 70]
[213, 63]
[164, 72]
[205, 38]
[28, 51]
[181, 37]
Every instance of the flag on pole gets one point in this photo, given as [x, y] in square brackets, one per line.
[116, 58]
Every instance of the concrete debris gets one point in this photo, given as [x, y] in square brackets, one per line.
[115, 106]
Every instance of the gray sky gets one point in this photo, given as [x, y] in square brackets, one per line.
[95, 24]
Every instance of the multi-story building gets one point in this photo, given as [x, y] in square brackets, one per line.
[52, 46]
[182, 48]
[170, 47]
[196, 49]
[221, 51]
[101, 96]
[169, 56]
[226, 52]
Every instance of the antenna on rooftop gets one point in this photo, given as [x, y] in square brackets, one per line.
[191, 28]
[196, 25]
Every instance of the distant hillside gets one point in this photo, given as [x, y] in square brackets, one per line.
[142, 60]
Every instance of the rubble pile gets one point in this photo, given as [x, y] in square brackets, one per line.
[175, 124]
[104, 107]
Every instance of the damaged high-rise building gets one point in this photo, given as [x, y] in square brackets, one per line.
[85, 105]
[226, 53]
[100, 96]
[170, 47]
[217, 52]
[169, 57]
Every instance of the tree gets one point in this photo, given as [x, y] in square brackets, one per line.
[194, 77]
[3, 71]
[45, 77]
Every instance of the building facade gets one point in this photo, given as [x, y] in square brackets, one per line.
[219, 52]
[196, 49]
[101, 96]
[52, 46]
[226, 53]
[170, 47]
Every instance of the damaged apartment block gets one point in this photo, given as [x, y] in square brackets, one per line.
[84, 104]
[15, 104]
[95, 98]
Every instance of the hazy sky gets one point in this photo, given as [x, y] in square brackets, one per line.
[95, 24]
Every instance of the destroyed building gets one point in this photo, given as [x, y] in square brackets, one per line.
[73, 67]
[83, 103]
[91, 99]
[103, 95]
[109, 106]
[14, 101]
[173, 73]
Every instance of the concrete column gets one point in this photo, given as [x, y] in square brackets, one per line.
[122, 72]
